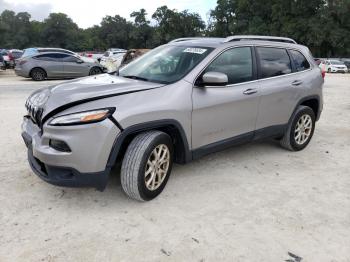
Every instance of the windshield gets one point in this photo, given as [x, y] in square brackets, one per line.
[335, 62]
[165, 64]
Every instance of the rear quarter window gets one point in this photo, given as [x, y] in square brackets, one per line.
[273, 62]
[299, 60]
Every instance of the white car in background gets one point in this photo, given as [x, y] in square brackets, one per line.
[112, 59]
[333, 66]
[110, 53]
[113, 62]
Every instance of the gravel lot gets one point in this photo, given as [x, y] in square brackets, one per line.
[255, 202]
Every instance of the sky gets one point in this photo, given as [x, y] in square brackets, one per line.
[88, 13]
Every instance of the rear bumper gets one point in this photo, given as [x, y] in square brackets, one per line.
[21, 72]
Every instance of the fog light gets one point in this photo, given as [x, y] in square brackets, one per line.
[59, 145]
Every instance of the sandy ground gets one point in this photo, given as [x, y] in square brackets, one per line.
[255, 202]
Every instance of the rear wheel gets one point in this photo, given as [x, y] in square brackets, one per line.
[95, 71]
[38, 74]
[147, 165]
[329, 70]
[300, 129]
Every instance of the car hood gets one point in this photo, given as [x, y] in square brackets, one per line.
[70, 93]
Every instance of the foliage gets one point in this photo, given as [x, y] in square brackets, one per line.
[323, 25]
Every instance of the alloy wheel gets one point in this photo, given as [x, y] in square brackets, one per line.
[157, 167]
[303, 129]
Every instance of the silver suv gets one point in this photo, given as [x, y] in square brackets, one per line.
[176, 103]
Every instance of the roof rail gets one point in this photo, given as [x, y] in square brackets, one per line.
[259, 37]
[194, 38]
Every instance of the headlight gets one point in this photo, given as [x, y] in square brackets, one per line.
[85, 117]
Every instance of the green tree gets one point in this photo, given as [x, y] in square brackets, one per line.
[15, 29]
[142, 32]
[115, 31]
[60, 31]
[172, 24]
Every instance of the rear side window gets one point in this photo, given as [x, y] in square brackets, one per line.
[50, 57]
[273, 61]
[47, 57]
[236, 63]
[299, 61]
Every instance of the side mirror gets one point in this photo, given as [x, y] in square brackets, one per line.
[214, 79]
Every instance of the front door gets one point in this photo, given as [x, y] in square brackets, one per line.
[74, 67]
[226, 113]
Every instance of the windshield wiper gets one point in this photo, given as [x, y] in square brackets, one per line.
[136, 77]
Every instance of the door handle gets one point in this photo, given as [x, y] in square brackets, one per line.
[250, 91]
[297, 82]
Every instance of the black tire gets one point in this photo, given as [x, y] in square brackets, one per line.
[95, 71]
[133, 178]
[329, 70]
[288, 141]
[38, 74]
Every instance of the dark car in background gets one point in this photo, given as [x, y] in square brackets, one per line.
[14, 54]
[2, 63]
[9, 57]
[55, 65]
[346, 61]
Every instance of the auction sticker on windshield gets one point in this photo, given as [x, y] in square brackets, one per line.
[195, 50]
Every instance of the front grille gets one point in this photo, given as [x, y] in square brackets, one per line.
[34, 112]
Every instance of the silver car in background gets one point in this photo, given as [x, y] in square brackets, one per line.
[56, 65]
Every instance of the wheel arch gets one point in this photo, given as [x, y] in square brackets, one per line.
[311, 101]
[169, 126]
[37, 67]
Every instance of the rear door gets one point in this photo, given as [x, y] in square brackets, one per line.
[280, 87]
[74, 67]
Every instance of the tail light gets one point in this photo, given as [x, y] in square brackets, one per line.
[22, 62]
[89, 55]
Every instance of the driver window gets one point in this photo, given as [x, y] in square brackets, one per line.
[236, 63]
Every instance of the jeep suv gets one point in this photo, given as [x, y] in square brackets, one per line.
[176, 103]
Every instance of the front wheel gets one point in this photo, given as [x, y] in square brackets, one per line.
[147, 165]
[95, 71]
[300, 129]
